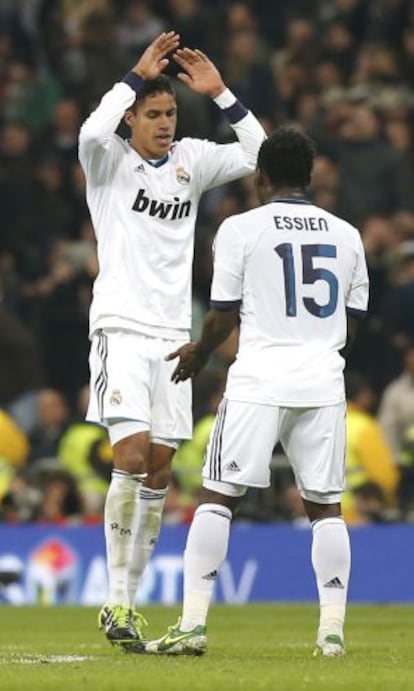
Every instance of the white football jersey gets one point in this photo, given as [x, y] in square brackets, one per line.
[295, 270]
[144, 216]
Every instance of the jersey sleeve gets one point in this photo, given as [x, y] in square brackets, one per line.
[99, 148]
[221, 163]
[228, 261]
[357, 298]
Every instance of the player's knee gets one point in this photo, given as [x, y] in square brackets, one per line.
[130, 457]
[159, 466]
[317, 511]
[159, 478]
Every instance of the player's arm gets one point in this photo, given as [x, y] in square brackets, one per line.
[357, 298]
[225, 302]
[352, 328]
[218, 325]
[222, 163]
[95, 136]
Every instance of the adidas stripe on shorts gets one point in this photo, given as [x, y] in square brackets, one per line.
[130, 380]
[244, 435]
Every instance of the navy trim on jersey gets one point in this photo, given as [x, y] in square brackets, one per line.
[155, 163]
[235, 112]
[134, 81]
[358, 314]
[225, 306]
[292, 201]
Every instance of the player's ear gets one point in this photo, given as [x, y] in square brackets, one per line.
[129, 118]
[259, 182]
[264, 187]
[259, 178]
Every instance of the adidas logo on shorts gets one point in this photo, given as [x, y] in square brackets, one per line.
[233, 466]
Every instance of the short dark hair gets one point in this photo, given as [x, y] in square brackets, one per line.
[286, 157]
[159, 85]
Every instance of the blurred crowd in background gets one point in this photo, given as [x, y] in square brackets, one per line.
[341, 70]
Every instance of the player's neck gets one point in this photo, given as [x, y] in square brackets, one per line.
[147, 155]
[287, 193]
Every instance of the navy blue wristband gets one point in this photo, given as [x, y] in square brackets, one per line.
[235, 112]
[358, 314]
[134, 81]
[225, 306]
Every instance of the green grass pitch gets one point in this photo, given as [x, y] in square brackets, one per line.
[251, 647]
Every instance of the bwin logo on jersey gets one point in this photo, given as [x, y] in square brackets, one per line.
[169, 210]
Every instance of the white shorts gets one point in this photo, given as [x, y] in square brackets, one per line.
[244, 435]
[130, 380]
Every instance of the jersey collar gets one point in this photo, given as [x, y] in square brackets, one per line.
[157, 163]
[290, 200]
[154, 162]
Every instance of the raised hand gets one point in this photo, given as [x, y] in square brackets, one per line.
[153, 61]
[200, 74]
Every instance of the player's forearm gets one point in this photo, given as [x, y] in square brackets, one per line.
[248, 129]
[105, 119]
[352, 327]
[218, 325]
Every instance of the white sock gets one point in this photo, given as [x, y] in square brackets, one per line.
[331, 560]
[206, 549]
[148, 524]
[119, 520]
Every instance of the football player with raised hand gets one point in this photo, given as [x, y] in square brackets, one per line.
[143, 196]
[296, 277]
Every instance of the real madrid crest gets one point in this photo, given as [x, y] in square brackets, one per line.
[116, 397]
[182, 176]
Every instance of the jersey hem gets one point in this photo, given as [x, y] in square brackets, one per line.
[247, 483]
[139, 328]
[285, 404]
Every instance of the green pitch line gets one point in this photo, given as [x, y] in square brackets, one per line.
[260, 647]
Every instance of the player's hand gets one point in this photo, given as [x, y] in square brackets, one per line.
[191, 361]
[200, 74]
[153, 61]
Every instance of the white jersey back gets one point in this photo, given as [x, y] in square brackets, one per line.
[144, 216]
[295, 270]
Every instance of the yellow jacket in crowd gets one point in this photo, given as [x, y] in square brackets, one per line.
[368, 459]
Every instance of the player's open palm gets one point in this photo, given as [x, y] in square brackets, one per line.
[200, 74]
[153, 61]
